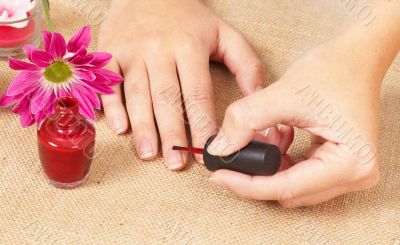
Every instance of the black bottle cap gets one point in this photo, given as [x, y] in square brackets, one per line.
[256, 158]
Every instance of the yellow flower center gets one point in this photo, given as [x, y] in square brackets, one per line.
[58, 72]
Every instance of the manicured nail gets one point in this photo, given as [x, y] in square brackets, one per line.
[145, 149]
[174, 160]
[219, 145]
[118, 126]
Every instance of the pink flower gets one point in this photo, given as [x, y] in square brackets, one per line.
[60, 70]
[14, 10]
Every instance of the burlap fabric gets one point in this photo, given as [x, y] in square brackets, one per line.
[129, 201]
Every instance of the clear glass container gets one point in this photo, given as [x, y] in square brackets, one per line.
[20, 24]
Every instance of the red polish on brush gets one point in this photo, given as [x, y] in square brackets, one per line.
[256, 158]
[188, 149]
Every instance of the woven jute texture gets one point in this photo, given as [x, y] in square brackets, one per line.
[128, 201]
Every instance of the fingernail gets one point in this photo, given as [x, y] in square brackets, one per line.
[259, 87]
[145, 149]
[264, 132]
[118, 126]
[199, 159]
[216, 181]
[174, 160]
[219, 145]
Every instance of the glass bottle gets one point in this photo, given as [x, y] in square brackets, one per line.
[66, 142]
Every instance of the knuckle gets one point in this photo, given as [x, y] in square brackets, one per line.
[287, 195]
[189, 42]
[287, 191]
[235, 113]
[246, 195]
[199, 96]
[171, 135]
[155, 41]
[257, 66]
[133, 90]
[367, 172]
[242, 114]
[168, 95]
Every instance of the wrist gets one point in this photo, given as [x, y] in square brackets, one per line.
[371, 45]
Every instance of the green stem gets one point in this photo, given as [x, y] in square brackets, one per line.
[46, 7]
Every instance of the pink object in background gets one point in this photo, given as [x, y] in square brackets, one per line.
[20, 24]
[11, 37]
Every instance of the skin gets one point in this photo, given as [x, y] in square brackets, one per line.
[163, 54]
[347, 72]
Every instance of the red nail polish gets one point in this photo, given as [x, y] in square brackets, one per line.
[66, 145]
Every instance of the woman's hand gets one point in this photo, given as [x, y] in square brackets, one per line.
[332, 92]
[163, 49]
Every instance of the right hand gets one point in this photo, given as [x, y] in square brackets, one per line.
[163, 48]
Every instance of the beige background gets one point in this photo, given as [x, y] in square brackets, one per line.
[126, 199]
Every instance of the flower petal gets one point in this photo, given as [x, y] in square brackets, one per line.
[21, 65]
[91, 96]
[22, 108]
[84, 74]
[99, 86]
[28, 49]
[23, 105]
[40, 100]
[41, 58]
[6, 101]
[45, 111]
[26, 119]
[101, 59]
[46, 39]
[80, 39]
[82, 60]
[112, 78]
[81, 52]
[23, 83]
[85, 107]
[58, 46]
[63, 92]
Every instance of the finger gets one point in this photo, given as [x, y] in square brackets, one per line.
[315, 199]
[247, 116]
[167, 105]
[140, 110]
[309, 177]
[281, 136]
[113, 104]
[287, 137]
[331, 193]
[198, 96]
[240, 58]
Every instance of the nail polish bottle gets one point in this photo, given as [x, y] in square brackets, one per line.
[66, 142]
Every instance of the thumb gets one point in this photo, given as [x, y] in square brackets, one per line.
[254, 113]
[236, 53]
